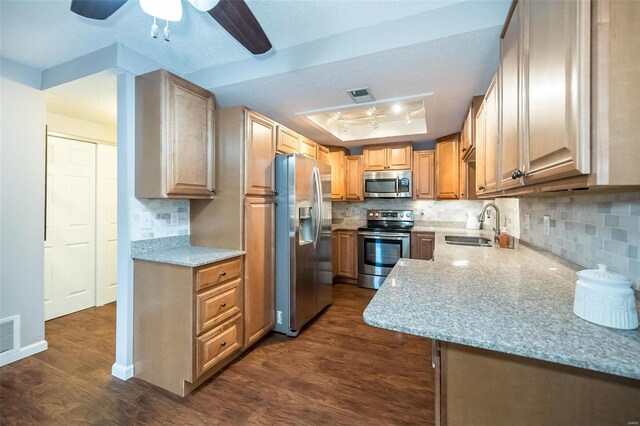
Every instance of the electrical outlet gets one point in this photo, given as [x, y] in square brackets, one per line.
[527, 221]
[174, 219]
[146, 220]
[547, 226]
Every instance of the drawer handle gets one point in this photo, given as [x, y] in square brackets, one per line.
[223, 273]
[223, 305]
[223, 343]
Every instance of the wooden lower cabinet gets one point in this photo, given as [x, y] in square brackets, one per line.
[188, 322]
[259, 275]
[422, 245]
[482, 387]
[345, 254]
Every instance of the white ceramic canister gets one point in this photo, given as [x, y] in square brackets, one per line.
[605, 298]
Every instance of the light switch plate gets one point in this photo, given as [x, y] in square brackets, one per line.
[146, 220]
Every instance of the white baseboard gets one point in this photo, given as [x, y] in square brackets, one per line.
[124, 372]
[23, 352]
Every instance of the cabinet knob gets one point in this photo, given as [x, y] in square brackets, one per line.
[213, 191]
[223, 343]
[481, 187]
[223, 305]
[517, 174]
[223, 273]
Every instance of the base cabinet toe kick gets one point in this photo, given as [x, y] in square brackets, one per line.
[482, 387]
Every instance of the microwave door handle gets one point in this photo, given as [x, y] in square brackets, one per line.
[398, 185]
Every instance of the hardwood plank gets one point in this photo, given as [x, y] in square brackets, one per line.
[338, 371]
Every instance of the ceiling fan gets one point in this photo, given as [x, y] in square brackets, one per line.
[233, 15]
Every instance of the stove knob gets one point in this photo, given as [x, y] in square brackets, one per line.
[377, 214]
[370, 214]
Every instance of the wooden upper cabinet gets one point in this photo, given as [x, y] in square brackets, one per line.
[487, 141]
[260, 152]
[287, 141]
[399, 157]
[510, 91]
[447, 167]
[375, 158]
[307, 148]
[337, 162]
[422, 245]
[468, 134]
[480, 151]
[424, 175]
[259, 295]
[174, 138]
[388, 157]
[323, 154]
[558, 101]
[463, 179]
[354, 185]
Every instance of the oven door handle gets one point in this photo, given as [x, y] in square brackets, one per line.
[385, 236]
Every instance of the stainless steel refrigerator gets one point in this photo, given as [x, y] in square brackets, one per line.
[304, 269]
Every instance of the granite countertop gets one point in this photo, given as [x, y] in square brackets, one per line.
[513, 301]
[178, 251]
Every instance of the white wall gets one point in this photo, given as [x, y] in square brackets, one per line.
[84, 129]
[22, 123]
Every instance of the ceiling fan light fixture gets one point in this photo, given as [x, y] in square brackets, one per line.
[407, 118]
[204, 5]
[167, 10]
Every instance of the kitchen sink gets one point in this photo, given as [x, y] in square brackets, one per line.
[457, 240]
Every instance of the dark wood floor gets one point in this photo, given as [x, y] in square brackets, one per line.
[337, 371]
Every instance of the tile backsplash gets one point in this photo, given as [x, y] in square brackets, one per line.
[587, 229]
[159, 218]
[424, 210]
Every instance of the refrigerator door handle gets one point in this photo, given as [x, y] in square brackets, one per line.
[318, 218]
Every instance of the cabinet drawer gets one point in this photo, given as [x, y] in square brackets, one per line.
[215, 346]
[215, 306]
[218, 273]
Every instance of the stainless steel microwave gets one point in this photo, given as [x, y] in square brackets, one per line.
[388, 184]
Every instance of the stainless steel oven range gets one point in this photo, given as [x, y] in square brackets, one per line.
[381, 243]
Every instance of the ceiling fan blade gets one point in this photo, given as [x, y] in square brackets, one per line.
[96, 9]
[236, 17]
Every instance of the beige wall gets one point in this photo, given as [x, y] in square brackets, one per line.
[22, 123]
[84, 129]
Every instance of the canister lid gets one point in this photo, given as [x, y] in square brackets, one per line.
[604, 276]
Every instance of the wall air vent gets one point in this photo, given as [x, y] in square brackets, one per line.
[360, 95]
[9, 335]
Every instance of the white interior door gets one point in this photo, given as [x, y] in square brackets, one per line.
[71, 227]
[107, 225]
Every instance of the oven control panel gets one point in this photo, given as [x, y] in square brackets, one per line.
[390, 215]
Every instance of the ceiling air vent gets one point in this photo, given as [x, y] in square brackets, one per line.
[360, 95]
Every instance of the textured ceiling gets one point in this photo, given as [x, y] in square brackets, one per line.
[453, 69]
[42, 34]
[92, 98]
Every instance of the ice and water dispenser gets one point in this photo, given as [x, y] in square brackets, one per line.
[306, 228]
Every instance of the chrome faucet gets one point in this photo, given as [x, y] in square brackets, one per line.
[496, 237]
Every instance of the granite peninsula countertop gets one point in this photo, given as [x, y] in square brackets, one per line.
[178, 251]
[517, 301]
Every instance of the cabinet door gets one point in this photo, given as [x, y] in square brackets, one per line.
[323, 154]
[335, 247]
[375, 158]
[353, 180]
[510, 109]
[558, 99]
[190, 140]
[337, 162]
[260, 152]
[462, 181]
[424, 175]
[481, 153]
[348, 264]
[465, 136]
[259, 296]
[491, 137]
[307, 148]
[287, 141]
[399, 157]
[447, 168]
[422, 245]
